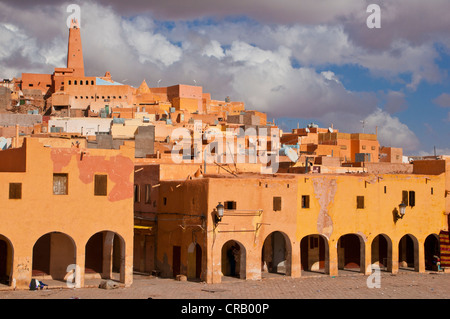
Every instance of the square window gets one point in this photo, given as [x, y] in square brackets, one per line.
[101, 185]
[15, 190]
[277, 204]
[230, 205]
[60, 184]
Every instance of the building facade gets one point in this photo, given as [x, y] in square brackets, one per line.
[67, 214]
[293, 223]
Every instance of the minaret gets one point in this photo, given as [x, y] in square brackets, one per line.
[75, 51]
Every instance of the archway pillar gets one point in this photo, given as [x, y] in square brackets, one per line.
[252, 266]
[332, 264]
[366, 257]
[126, 263]
[79, 271]
[296, 269]
[21, 271]
[394, 258]
[419, 257]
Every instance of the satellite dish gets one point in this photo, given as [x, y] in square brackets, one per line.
[307, 130]
[291, 154]
[330, 130]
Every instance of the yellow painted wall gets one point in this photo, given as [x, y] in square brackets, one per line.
[79, 214]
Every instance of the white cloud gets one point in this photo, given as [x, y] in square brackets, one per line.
[150, 47]
[391, 132]
[213, 49]
[246, 60]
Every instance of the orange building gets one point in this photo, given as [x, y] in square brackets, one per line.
[291, 224]
[67, 214]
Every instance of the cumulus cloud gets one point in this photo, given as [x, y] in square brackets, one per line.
[279, 62]
[391, 132]
[443, 100]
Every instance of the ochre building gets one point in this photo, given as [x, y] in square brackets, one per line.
[67, 214]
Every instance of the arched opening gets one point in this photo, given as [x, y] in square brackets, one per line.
[314, 253]
[53, 253]
[194, 263]
[350, 253]
[233, 259]
[6, 261]
[276, 254]
[432, 252]
[408, 253]
[382, 252]
[105, 256]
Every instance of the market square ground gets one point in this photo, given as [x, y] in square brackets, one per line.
[348, 285]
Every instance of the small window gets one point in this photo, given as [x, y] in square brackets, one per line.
[70, 82]
[148, 189]
[101, 185]
[432, 191]
[277, 203]
[405, 197]
[137, 194]
[412, 198]
[87, 82]
[30, 85]
[373, 148]
[385, 189]
[305, 201]
[360, 202]
[75, 82]
[165, 201]
[60, 184]
[230, 205]
[363, 147]
[92, 82]
[81, 82]
[15, 190]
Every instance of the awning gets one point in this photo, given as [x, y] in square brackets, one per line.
[143, 227]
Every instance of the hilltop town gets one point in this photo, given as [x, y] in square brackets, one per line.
[99, 179]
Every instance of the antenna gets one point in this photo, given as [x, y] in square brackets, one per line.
[159, 81]
[363, 123]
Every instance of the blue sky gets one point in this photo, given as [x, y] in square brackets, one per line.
[300, 61]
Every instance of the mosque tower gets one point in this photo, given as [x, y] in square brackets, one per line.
[75, 50]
